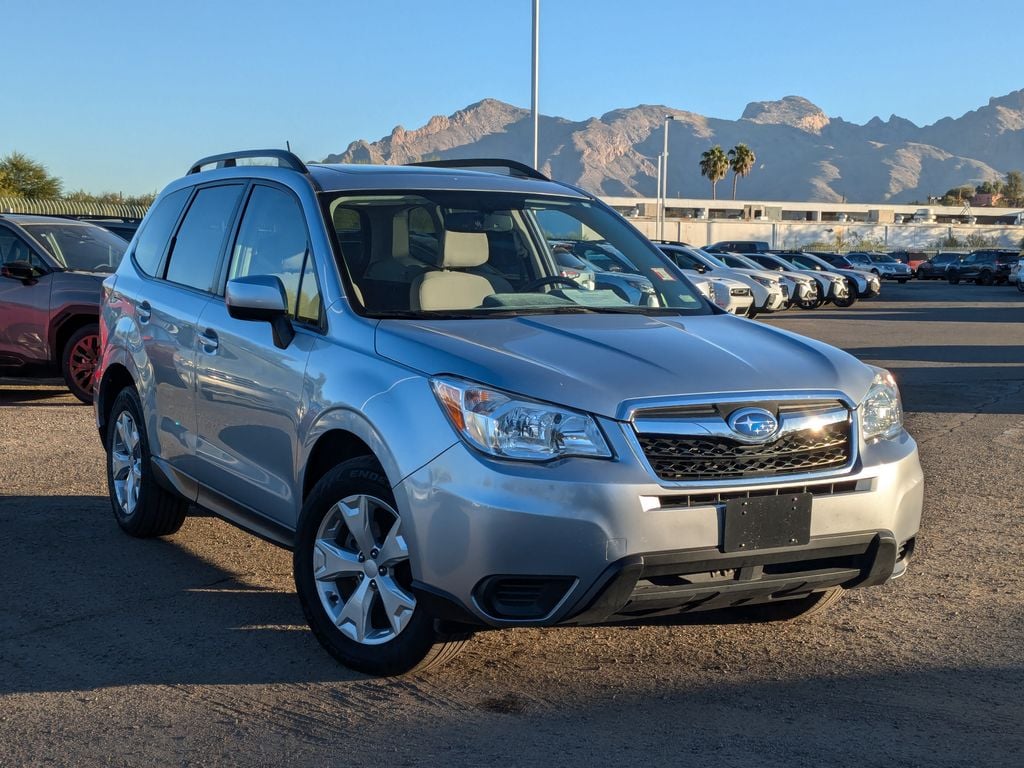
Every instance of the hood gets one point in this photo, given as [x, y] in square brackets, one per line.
[596, 362]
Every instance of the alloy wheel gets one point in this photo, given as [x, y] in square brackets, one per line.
[361, 570]
[126, 462]
[82, 360]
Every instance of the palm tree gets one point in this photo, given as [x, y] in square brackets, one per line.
[741, 160]
[714, 164]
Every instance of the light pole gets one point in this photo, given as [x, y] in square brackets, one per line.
[536, 75]
[657, 211]
[664, 179]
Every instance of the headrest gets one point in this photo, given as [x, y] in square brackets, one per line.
[464, 249]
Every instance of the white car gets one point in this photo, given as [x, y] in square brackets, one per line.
[804, 290]
[732, 296]
[766, 287]
[1017, 275]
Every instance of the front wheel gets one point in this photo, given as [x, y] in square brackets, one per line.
[1020, 285]
[79, 357]
[985, 278]
[954, 281]
[141, 506]
[790, 610]
[352, 574]
[902, 280]
[849, 299]
[810, 303]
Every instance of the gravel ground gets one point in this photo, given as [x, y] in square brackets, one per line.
[193, 650]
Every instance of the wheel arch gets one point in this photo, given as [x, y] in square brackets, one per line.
[342, 436]
[66, 323]
[115, 378]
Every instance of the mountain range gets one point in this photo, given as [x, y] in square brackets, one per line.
[802, 153]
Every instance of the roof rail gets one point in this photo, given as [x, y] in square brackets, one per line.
[520, 170]
[285, 159]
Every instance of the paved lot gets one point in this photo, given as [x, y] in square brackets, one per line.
[193, 651]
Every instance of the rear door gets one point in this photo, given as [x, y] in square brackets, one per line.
[250, 392]
[166, 294]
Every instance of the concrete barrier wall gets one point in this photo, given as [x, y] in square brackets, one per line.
[793, 234]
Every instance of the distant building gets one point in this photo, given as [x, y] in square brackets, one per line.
[985, 199]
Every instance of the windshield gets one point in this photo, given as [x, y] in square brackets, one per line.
[815, 262]
[738, 261]
[79, 247]
[882, 259]
[447, 254]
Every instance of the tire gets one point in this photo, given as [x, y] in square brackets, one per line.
[790, 610]
[985, 278]
[851, 296]
[377, 639]
[752, 312]
[1020, 285]
[810, 303]
[918, 274]
[78, 361]
[902, 280]
[142, 508]
[954, 281]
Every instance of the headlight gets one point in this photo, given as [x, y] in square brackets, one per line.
[510, 427]
[881, 413]
[765, 281]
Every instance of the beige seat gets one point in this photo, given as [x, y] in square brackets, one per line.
[452, 288]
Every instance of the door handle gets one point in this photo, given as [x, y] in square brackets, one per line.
[144, 311]
[209, 341]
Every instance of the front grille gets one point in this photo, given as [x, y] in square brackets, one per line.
[680, 458]
[739, 291]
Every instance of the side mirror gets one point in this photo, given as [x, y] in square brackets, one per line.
[702, 268]
[20, 270]
[261, 297]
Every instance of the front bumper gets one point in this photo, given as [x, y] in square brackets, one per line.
[578, 540]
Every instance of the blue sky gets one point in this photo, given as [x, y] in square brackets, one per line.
[117, 95]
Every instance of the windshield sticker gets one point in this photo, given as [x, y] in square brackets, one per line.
[662, 274]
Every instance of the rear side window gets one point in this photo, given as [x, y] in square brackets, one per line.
[194, 260]
[152, 243]
[273, 241]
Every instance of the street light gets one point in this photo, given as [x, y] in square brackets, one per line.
[663, 191]
[536, 75]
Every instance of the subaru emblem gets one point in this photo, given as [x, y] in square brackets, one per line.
[753, 423]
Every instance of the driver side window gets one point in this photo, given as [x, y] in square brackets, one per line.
[14, 249]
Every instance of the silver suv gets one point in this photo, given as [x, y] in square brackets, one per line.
[381, 369]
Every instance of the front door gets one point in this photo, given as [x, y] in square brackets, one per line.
[250, 392]
[24, 308]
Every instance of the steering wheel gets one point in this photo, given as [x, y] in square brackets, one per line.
[540, 282]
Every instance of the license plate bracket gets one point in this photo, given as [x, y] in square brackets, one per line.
[764, 522]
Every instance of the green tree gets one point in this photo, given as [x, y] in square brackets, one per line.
[1013, 188]
[741, 160]
[21, 176]
[714, 165]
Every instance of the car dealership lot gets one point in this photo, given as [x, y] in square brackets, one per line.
[193, 650]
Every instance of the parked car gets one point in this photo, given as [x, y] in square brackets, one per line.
[1017, 275]
[984, 267]
[575, 269]
[882, 264]
[50, 275]
[738, 246]
[912, 259]
[125, 228]
[935, 267]
[831, 286]
[858, 283]
[612, 271]
[839, 263]
[447, 449]
[766, 289]
[803, 290]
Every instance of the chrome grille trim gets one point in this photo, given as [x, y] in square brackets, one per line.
[700, 406]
